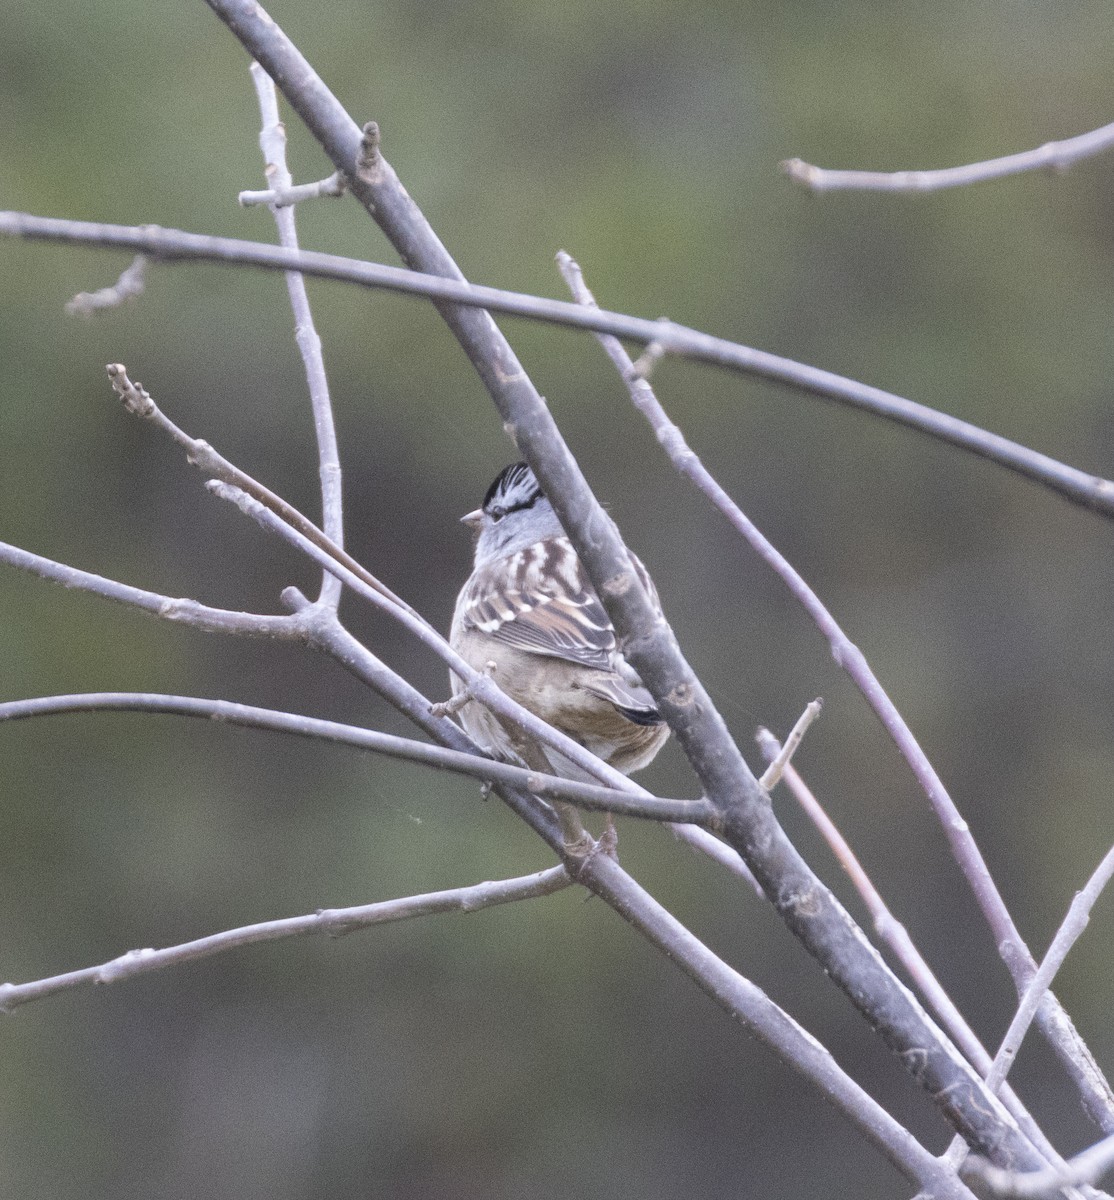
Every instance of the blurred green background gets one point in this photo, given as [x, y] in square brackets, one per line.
[541, 1050]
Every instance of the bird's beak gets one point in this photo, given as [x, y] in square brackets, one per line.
[473, 520]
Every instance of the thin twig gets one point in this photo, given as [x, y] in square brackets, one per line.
[172, 245]
[488, 771]
[1008, 940]
[606, 879]
[779, 761]
[1072, 926]
[284, 197]
[894, 934]
[131, 282]
[1086, 1167]
[272, 141]
[169, 608]
[331, 921]
[139, 402]
[1055, 156]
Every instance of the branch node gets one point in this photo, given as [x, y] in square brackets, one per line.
[369, 162]
[137, 400]
[450, 707]
[202, 456]
[295, 599]
[111, 971]
[643, 366]
[131, 282]
[773, 773]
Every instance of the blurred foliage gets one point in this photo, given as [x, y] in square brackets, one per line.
[541, 1051]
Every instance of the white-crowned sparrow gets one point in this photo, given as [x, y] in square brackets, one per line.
[530, 617]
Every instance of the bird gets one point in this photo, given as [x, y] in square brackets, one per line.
[529, 616]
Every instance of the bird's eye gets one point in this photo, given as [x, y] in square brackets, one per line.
[497, 514]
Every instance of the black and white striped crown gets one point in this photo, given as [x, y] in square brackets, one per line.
[515, 489]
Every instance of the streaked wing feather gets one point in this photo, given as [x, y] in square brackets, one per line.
[545, 604]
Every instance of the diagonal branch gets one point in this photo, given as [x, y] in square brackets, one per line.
[1008, 940]
[332, 921]
[181, 611]
[1071, 928]
[482, 688]
[1077, 486]
[1032, 1001]
[603, 876]
[1086, 1167]
[894, 934]
[200, 454]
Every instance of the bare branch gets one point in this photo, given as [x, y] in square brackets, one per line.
[1086, 1167]
[779, 760]
[1008, 940]
[138, 401]
[292, 525]
[894, 934]
[183, 611]
[794, 1045]
[131, 282]
[602, 875]
[283, 197]
[1073, 925]
[1055, 156]
[1077, 486]
[488, 771]
[272, 141]
[332, 921]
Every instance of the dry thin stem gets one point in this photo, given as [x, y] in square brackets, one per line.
[1073, 925]
[603, 876]
[169, 608]
[894, 934]
[779, 761]
[332, 921]
[1086, 1167]
[688, 709]
[170, 245]
[272, 141]
[488, 771]
[283, 197]
[1011, 946]
[138, 401]
[1055, 156]
[131, 282]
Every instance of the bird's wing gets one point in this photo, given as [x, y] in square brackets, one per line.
[540, 601]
